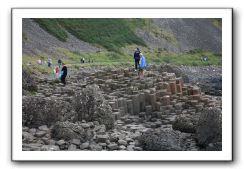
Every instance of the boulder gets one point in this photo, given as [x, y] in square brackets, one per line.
[49, 148]
[84, 146]
[102, 138]
[76, 142]
[43, 128]
[37, 111]
[40, 133]
[72, 147]
[90, 105]
[32, 147]
[60, 142]
[113, 146]
[27, 137]
[122, 142]
[95, 147]
[209, 127]
[161, 140]
[185, 123]
[68, 131]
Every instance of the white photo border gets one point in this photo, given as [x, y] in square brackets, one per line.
[19, 13]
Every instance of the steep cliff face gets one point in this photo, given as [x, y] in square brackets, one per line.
[173, 35]
[187, 34]
[35, 40]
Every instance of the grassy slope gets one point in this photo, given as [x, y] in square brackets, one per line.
[117, 36]
[111, 34]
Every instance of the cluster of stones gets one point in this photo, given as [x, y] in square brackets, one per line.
[158, 97]
[117, 139]
[138, 105]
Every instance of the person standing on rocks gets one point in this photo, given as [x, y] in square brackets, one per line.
[137, 57]
[64, 72]
[142, 66]
[49, 62]
[59, 63]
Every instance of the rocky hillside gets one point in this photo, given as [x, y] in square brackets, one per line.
[189, 34]
[173, 35]
[36, 40]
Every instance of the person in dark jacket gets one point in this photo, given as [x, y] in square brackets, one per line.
[137, 58]
[59, 63]
[64, 72]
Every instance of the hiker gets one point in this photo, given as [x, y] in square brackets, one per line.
[56, 71]
[137, 57]
[59, 63]
[82, 60]
[49, 62]
[142, 66]
[39, 61]
[63, 74]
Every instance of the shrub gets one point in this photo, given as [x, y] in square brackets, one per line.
[162, 140]
[28, 81]
[90, 105]
[37, 111]
[68, 131]
[209, 127]
[185, 123]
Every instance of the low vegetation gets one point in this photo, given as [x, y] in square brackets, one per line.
[108, 58]
[111, 34]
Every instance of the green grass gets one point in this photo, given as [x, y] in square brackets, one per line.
[113, 59]
[111, 34]
[29, 63]
[217, 22]
[53, 27]
[187, 58]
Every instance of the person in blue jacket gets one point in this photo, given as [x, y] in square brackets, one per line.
[142, 66]
[137, 57]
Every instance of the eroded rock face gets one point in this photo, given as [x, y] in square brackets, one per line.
[28, 82]
[70, 131]
[159, 113]
[38, 111]
[161, 140]
[209, 127]
[90, 105]
[185, 123]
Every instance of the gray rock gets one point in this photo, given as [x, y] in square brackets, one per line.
[32, 131]
[43, 110]
[85, 125]
[76, 142]
[84, 146]
[209, 127]
[185, 123]
[68, 131]
[43, 128]
[161, 140]
[114, 137]
[32, 147]
[49, 148]
[95, 147]
[214, 147]
[27, 137]
[72, 147]
[60, 142]
[25, 129]
[138, 149]
[122, 147]
[52, 142]
[40, 133]
[122, 142]
[130, 148]
[113, 146]
[102, 138]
